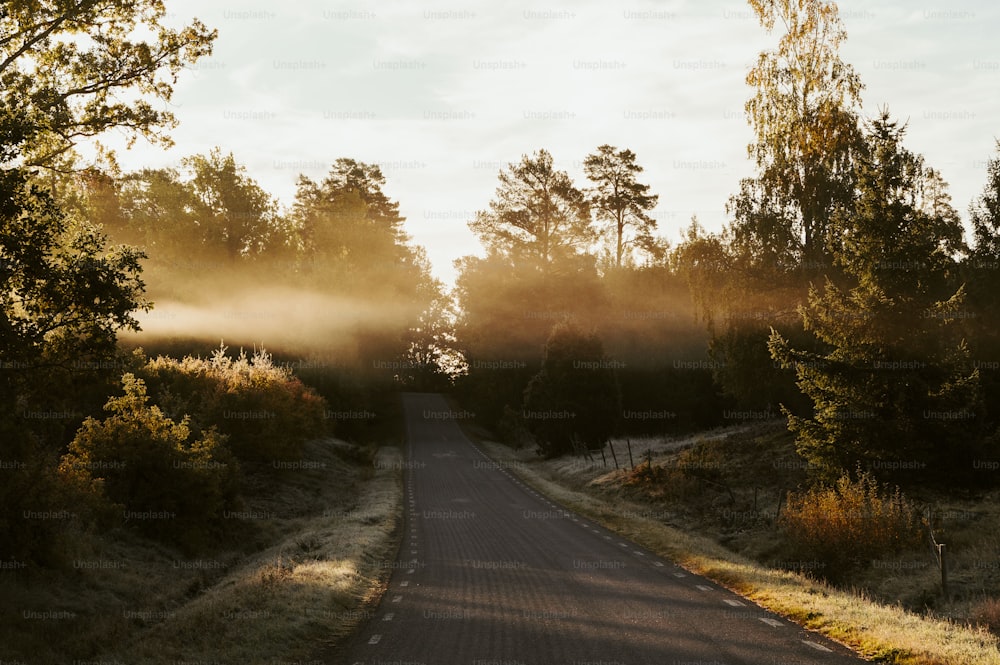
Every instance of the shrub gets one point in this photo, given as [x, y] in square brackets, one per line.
[266, 412]
[849, 524]
[169, 484]
[41, 510]
[986, 613]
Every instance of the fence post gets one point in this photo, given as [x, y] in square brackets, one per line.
[611, 444]
[630, 460]
[943, 557]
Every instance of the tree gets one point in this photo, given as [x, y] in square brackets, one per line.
[235, 213]
[892, 386]
[620, 201]
[431, 361]
[347, 218]
[984, 214]
[539, 219]
[804, 114]
[574, 399]
[63, 294]
[77, 68]
[349, 175]
[981, 271]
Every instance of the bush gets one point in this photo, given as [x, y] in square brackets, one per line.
[41, 510]
[266, 412]
[169, 484]
[849, 524]
[986, 613]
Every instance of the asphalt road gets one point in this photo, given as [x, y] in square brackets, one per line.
[492, 573]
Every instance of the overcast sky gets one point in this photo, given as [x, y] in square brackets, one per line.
[443, 95]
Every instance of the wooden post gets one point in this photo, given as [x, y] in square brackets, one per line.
[611, 445]
[604, 460]
[630, 460]
[943, 558]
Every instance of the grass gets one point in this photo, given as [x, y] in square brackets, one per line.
[877, 630]
[300, 578]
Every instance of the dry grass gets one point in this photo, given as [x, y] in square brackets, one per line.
[291, 599]
[878, 631]
[299, 580]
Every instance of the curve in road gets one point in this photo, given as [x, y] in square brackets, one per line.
[490, 572]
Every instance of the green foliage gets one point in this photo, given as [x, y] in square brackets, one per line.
[63, 293]
[538, 218]
[804, 114]
[234, 212]
[892, 385]
[981, 274]
[169, 484]
[77, 69]
[850, 524]
[41, 509]
[574, 400]
[621, 202]
[266, 413]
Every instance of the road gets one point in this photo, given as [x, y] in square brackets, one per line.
[492, 573]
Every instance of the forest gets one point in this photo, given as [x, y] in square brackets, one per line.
[844, 297]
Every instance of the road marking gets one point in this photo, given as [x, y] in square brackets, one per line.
[397, 599]
[771, 622]
[375, 639]
[411, 571]
[733, 603]
[680, 574]
[818, 647]
[658, 564]
[703, 587]
[607, 537]
[389, 616]
[413, 551]
[623, 544]
[637, 553]
[405, 583]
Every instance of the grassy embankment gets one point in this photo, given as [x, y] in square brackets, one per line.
[315, 540]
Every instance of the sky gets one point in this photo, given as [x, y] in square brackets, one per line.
[443, 95]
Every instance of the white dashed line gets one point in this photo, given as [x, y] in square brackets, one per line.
[658, 564]
[771, 622]
[818, 647]
[406, 583]
[680, 574]
[374, 639]
[389, 616]
[702, 587]
[637, 553]
[733, 603]
[397, 599]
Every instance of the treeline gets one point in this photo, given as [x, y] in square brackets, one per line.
[842, 294]
[577, 324]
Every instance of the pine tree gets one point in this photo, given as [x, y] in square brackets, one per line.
[892, 387]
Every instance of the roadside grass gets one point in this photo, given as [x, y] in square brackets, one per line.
[877, 629]
[286, 602]
[307, 558]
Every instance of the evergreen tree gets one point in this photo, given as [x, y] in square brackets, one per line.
[621, 202]
[574, 400]
[892, 386]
